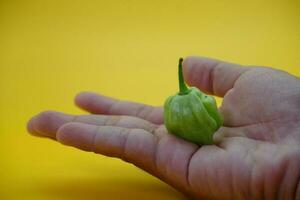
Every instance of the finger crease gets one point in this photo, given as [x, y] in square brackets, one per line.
[125, 133]
[112, 120]
[113, 106]
[188, 168]
[142, 111]
[156, 151]
[74, 119]
[152, 129]
[94, 140]
[211, 76]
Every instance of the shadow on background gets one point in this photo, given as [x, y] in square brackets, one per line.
[95, 189]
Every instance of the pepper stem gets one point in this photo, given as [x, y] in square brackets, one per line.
[183, 89]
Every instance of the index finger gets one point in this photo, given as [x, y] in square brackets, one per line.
[210, 75]
[100, 104]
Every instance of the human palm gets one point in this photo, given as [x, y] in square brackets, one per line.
[256, 154]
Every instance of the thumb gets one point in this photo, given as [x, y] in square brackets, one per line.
[211, 76]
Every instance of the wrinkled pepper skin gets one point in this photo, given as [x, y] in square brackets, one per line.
[191, 114]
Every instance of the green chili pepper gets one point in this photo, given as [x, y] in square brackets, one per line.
[191, 114]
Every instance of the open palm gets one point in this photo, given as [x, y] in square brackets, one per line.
[256, 153]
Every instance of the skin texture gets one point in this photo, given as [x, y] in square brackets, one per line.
[256, 153]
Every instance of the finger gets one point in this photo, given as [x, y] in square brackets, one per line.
[225, 132]
[158, 153]
[99, 104]
[210, 75]
[135, 145]
[47, 123]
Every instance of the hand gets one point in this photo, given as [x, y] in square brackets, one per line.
[256, 153]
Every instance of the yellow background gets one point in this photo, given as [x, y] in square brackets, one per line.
[51, 50]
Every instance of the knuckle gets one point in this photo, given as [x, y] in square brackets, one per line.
[113, 106]
[125, 133]
[143, 111]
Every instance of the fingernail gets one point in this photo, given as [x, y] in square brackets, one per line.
[217, 138]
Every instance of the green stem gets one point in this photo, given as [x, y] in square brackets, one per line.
[183, 89]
